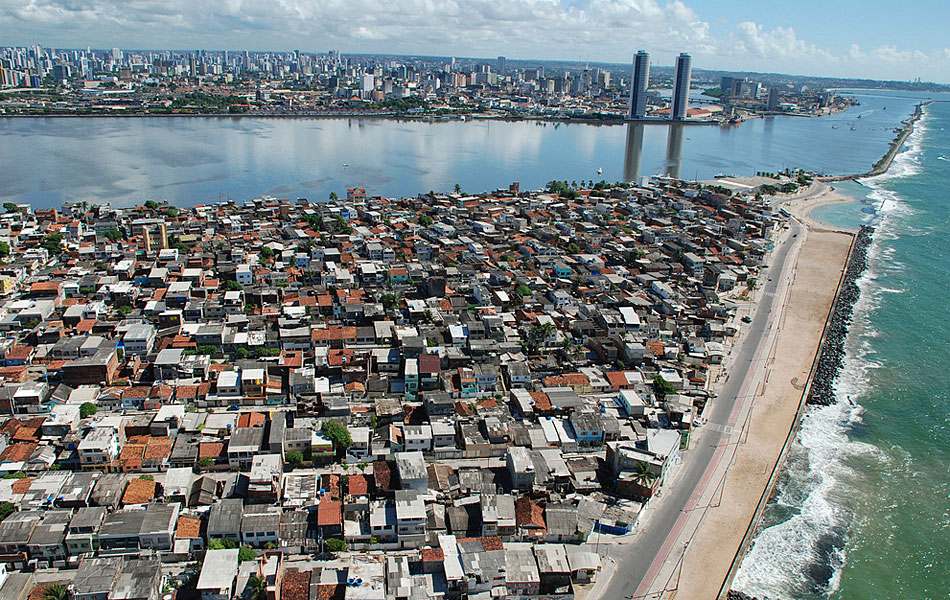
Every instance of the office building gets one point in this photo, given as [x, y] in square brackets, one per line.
[502, 65]
[773, 99]
[638, 85]
[680, 100]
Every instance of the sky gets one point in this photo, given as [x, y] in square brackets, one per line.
[877, 39]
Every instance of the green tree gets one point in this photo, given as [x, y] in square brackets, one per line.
[87, 409]
[125, 310]
[151, 204]
[258, 587]
[56, 591]
[338, 434]
[4, 249]
[425, 220]
[458, 189]
[147, 477]
[523, 290]
[267, 252]
[333, 196]
[389, 301]
[294, 458]
[643, 475]
[6, 509]
[205, 462]
[246, 553]
[53, 243]
[241, 353]
[233, 286]
[662, 388]
[573, 248]
[113, 235]
[10, 207]
[207, 349]
[335, 545]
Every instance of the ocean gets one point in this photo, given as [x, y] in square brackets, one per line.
[862, 508]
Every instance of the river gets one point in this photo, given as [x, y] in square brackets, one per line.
[195, 160]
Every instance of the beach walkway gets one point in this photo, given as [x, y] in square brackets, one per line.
[693, 531]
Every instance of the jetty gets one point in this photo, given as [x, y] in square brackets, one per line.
[882, 166]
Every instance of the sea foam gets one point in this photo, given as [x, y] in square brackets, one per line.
[805, 551]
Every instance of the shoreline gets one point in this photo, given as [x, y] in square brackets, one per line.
[825, 356]
[803, 401]
[884, 164]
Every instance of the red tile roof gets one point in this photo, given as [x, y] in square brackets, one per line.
[329, 513]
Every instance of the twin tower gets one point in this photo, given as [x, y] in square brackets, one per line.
[641, 79]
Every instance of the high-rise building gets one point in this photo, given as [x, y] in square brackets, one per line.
[728, 86]
[680, 100]
[638, 85]
[502, 65]
[773, 99]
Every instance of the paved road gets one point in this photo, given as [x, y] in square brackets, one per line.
[636, 560]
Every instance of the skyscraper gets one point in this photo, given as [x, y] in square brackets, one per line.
[502, 65]
[680, 100]
[773, 99]
[638, 85]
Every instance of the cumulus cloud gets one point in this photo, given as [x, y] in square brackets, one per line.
[602, 30]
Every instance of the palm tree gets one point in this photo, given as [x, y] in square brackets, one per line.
[643, 475]
[258, 587]
[57, 591]
[458, 189]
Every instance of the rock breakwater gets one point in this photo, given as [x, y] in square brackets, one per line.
[832, 348]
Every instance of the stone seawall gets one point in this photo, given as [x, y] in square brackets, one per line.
[832, 349]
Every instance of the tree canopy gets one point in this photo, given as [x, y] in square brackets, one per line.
[338, 434]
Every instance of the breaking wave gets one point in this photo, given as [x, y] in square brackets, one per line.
[801, 546]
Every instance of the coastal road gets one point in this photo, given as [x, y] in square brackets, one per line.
[647, 566]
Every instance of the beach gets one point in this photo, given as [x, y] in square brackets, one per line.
[731, 461]
[718, 521]
[774, 410]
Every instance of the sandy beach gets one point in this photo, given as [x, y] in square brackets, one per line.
[776, 402]
[818, 194]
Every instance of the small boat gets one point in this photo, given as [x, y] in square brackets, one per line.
[834, 126]
[345, 166]
[600, 171]
[883, 108]
[859, 116]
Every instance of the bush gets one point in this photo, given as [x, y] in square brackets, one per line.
[246, 553]
[87, 409]
[6, 509]
[205, 462]
[147, 477]
[294, 458]
[222, 544]
[335, 545]
[662, 387]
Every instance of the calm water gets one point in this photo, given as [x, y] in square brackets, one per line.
[863, 507]
[124, 161]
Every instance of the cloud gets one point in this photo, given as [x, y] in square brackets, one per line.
[601, 30]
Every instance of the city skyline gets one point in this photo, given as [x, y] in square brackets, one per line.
[600, 31]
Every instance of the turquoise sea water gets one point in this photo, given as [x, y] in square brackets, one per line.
[862, 510]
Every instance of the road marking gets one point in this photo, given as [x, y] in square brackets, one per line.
[719, 428]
